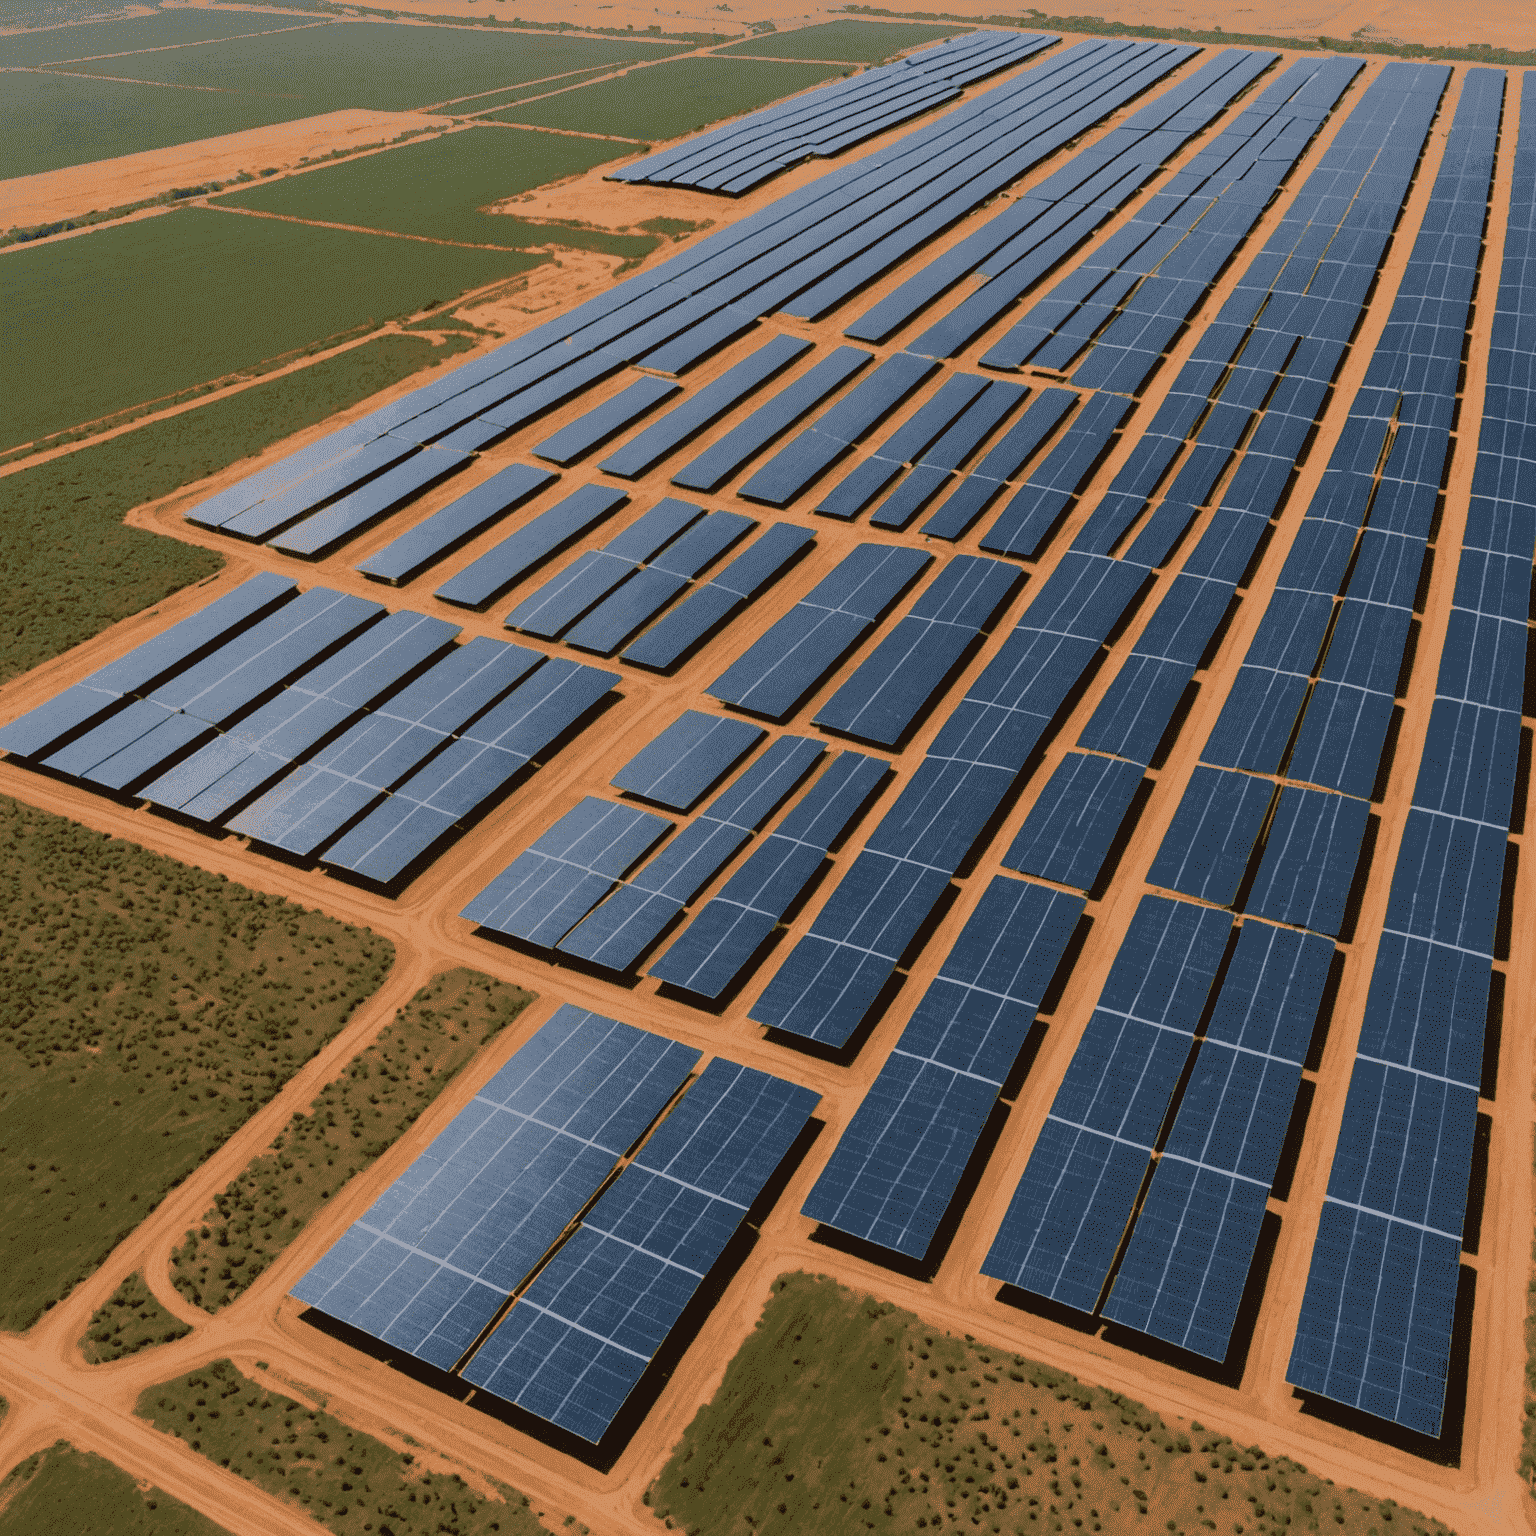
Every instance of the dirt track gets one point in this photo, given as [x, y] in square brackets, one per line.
[53, 1393]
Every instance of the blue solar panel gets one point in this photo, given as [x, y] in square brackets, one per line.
[436, 1256]
[577, 1341]
[1137, 708]
[1309, 859]
[682, 764]
[1447, 882]
[436, 537]
[689, 624]
[776, 673]
[1210, 840]
[147, 664]
[539, 538]
[712, 952]
[896, 683]
[1343, 732]
[1066, 1219]
[894, 1173]
[1067, 835]
[267, 517]
[548, 889]
[606, 421]
[1427, 1009]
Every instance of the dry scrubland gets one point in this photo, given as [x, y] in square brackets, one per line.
[350, 1482]
[354, 1121]
[62, 1491]
[153, 1004]
[841, 1414]
[128, 1321]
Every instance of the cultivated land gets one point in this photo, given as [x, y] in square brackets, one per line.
[62, 1489]
[1475, 1485]
[158, 1006]
[358, 1117]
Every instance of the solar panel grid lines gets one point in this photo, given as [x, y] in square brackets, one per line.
[437, 1255]
[895, 1171]
[680, 766]
[577, 1341]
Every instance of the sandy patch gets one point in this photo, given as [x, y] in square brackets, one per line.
[104, 184]
[612, 205]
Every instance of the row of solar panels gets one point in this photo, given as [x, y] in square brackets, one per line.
[831, 978]
[833, 117]
[439, 1266]
[889, 203]
[1379, 1311]
[314, 722]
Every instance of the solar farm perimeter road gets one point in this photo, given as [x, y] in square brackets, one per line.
[52, 1393]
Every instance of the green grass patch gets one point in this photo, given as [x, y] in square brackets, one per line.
[147, 1009]
[666, 100]
[370, 64]
[72, 567]
[841, 1414]
[63, 1491]
[438, 186]
[478, 104]
[857, 42]
[350, 1482]
[130, 1320]
[354, 1121]
[164, 29]
[213, 293]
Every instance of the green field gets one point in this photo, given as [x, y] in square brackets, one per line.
[374, 64]
[437, 187]
[354, 1121]
[50, 121]
[71, 566]
[841, 1415]
[165, 29]
[65, 1492]
[348, 1481]
[857, 42]
[477, 104]
[147, 1009]
[213, 293]
[669, 99]
[130, 1320]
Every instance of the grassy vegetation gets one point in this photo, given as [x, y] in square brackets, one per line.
[147, 1009]
[857, 42]
[130, 1320]
[349, 1482]
[165, 29]
[438, 186]
[355, 1120]
[1096, 26]
[669, 99]
[63, 1491]
[478, 104]
[370, 64]
[213, 293]
[71, 566]
[840, 1414]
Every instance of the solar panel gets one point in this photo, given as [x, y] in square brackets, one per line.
[604, 422]
[775, 674]
[353, 469]
[578, 1340]
[683, 763]
[1067, 835]
[436, 1256]
[436, 537]
[895, 1170]
[1210, 840]
[1309, 859]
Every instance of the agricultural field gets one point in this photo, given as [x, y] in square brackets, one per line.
[438, 187]
[63, 1491]
[214, 293]
[851, 42]
[348, 1481]
[841, 1413]
[73, 568]
[372, 64]
[128, 1321]
[98, 40]
[354, 1121]
[669, 99]
[158, 1005]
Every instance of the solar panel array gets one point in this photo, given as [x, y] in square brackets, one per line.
[834, 117]
[437, 1258]
[1380, 1306]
